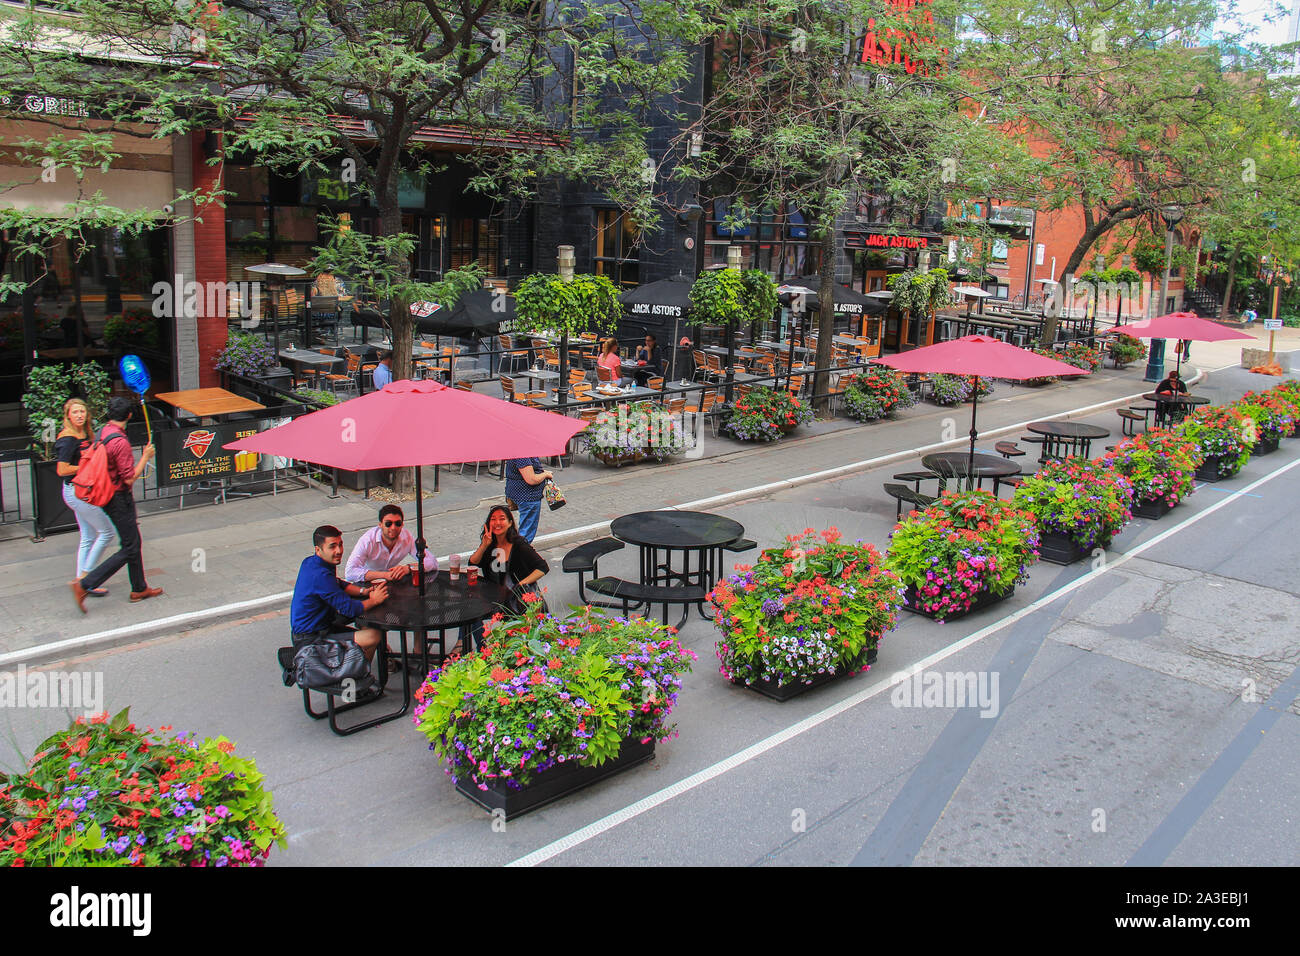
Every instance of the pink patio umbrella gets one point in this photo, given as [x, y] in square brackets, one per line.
[982, 357]
[1181, 325]
[421, 423]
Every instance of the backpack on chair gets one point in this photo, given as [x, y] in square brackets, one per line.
[93, 483]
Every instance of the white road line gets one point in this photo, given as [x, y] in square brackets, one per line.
[631, 811]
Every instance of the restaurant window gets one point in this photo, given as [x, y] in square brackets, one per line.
[778, 242]
[617, 252]
[475, 240]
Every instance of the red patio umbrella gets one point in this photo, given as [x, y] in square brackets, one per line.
[421, 423]
[982, 357]
[1181, 325]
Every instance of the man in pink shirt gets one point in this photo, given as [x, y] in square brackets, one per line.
[379, 553]
[124, 471]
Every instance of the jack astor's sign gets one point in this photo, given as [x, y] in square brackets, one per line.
[880, 240]
[645, 308]
[906, 38]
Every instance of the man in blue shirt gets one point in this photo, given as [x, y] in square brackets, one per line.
[323, 605]
[384, 370]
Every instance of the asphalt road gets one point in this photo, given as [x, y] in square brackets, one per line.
[1145, 713]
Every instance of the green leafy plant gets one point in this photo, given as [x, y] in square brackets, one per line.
[732, 297]
[546, 303]
[764, 414]
[921, 292]
[812, 606]
[545, 690]
[1266, 423]
[1086, 501]
[104, 793]
[965, 544]
[49, 386]
[317, 395]
[1161, 465]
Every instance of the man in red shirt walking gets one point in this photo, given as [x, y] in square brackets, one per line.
[124, 471]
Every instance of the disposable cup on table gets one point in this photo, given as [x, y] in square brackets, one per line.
[455, 567]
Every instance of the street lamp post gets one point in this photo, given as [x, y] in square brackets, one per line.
[1172, 214]
[565, 263]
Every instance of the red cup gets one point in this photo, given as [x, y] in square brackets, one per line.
[415, 577]
[472, 573]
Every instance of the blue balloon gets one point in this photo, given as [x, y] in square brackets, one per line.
[134, 374]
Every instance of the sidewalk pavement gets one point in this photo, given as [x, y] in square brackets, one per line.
[241, 558]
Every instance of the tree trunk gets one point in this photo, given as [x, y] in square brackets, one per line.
[825, 320]
[399, 315]
[1226, 307]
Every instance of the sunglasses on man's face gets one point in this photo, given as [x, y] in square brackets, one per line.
[393, 524]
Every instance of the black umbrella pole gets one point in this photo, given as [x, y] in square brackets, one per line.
[420, 546]
[970, 461]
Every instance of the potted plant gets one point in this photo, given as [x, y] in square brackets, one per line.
[956, 389]
[551, 704]
[806, 613]
[48, 387]
[1265, 423]
[564, 306]
[316, 396]
[765, 414]
[1078, 504]
[1042, 379]
[1161, 465]
[964, 552]
[1287, 395]
[1124, 349]
[105, 793]
[246, 354]
[635, 432]
[876, 392]
[1081, 356]
[1224, 436]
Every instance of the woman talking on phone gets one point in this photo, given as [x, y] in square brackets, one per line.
[505, 558]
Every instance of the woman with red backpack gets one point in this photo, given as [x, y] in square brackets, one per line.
[96, 529]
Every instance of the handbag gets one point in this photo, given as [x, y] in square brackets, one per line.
[510, 503]
[331, 662]
[553, 495]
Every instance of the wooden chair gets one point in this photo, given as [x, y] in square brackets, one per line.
[656, 383]
[465, 385]
[551, 359]
[508, 388]
[581, 391]
[796, 385]
[577, 376]
[510, 356]
[533, 399]
[604, 374]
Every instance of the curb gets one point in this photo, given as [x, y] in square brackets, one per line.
[192, 620]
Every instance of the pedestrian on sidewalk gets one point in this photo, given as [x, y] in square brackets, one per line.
[1249, 316]
[524, 480]
[96, 529]
[124, 472]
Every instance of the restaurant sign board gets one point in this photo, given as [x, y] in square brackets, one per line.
[198, 454]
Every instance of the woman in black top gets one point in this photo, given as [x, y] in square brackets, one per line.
[97, 531]
[505, 558]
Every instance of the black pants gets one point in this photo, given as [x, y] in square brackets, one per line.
[121, 511]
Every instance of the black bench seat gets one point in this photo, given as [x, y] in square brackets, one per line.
[742, 544]
[903, 493]
[353, 696]
[630, 593]
[584, 558]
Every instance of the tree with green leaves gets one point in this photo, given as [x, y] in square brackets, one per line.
[797, 119]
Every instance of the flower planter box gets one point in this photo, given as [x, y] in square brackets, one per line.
[1059, 549]
[770, 688]
[1209, 471]
[982, 600]
[616, 461]
[554, 784]
[1265, 446]
[787, 428]
[53, 516]
[1152, 508]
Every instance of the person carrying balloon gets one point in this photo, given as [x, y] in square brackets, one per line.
[124, 472]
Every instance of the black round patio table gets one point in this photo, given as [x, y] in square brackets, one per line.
[445, 604]
[956, 464]
[1075, 436]
[1174, 407]
[695, 534]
